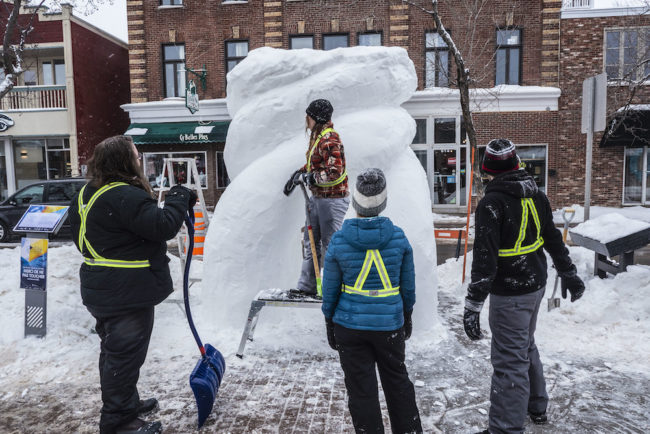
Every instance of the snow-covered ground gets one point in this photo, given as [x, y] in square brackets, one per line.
[595, 351]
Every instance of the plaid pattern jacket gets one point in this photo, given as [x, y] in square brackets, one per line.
[327, 165]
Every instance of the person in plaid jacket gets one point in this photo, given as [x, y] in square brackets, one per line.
[325, 174]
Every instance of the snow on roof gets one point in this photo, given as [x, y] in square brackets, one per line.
[610, 227]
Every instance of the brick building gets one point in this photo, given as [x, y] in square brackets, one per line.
[66, 101]
[516, 52]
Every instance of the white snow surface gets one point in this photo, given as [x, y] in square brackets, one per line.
[609, 227]
[631, 212]
[254, 239]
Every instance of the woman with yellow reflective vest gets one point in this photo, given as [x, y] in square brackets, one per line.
[121, 233]
[513, 227]
[326, 175]
[368, 299]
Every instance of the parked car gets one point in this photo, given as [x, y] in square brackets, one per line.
[54, 192]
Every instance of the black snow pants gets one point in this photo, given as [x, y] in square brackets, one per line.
[360, 351]
[123, 349]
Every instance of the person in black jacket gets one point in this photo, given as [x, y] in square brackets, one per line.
[513, 222]
[121, 232]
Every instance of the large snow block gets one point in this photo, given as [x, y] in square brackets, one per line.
[254, 239]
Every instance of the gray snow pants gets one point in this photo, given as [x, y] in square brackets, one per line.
[518, 384]
[326, 215]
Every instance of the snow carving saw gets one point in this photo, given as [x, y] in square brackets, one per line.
[206, 377]
[567, 216]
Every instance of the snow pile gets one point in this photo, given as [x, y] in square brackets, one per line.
[254, 240]
[609, 227]
[631, 212]
[610, 323]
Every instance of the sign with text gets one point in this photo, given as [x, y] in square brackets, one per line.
[42, 218]
[33, 263]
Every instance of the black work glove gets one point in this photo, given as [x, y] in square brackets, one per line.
[329, 326]
[575, 285]
[186, 193]
[291, 183]
[408, 325]
[308, 179]
[471, 319]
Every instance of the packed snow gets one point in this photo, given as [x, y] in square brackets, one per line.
[631, 212]
[609, 227]
[254, 239]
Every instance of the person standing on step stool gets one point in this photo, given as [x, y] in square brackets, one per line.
[325, 174]
[119, 229]
[367, 305]
[513, 221]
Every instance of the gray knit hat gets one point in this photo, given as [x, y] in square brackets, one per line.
[369, 195]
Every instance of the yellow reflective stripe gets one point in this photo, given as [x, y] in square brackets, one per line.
[97, 260]
[339, 180]
[117, 263]
[528, 206]
[372, 256]
[313, 148]
[372, 292]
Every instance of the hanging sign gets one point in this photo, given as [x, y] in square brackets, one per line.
[33, 263]
[191, 97]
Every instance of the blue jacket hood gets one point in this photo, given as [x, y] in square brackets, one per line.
[368, 233]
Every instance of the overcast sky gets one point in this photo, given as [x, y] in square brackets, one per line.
[109, 17]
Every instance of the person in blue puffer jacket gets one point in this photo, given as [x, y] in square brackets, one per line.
[368, 298]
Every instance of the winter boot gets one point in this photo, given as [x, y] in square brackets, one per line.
[538, 419]
[139, 426]
[147, 406]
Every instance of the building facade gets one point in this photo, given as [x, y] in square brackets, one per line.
[515, 50]
[67, 100]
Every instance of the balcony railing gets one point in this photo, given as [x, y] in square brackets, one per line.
[34, 98]
[578, 4]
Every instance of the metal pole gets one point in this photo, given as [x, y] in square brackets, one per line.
[588, 159]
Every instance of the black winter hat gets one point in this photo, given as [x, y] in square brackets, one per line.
[500, 156]
[369, 195]
[320, 110]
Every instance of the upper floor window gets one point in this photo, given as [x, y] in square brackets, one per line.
[370, 39]
[437, 61]
[296, 42]
[53, 72]
[29, 77]
[236, 51]
[171, 2]
[508, 56]
[331, 42]
[174, 69]
[627, 54]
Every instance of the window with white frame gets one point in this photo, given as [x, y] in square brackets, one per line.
[53, 72]
[636, 178]
[174, 69]
[153, 165]
[437, 61]
[39, 158]
[222, 174]
[508, 56]
[236, 51]
[627, 54]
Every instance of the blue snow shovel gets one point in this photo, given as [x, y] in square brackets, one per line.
[208, 372]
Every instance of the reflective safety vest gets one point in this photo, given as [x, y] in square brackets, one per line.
[311, 152]
[527, 209]
[372, 256]
[96, 259]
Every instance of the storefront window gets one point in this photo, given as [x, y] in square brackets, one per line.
[39, 159]
[222, 174]
[634, 174]
[420, 131]
[444, 130]
[58, 159]
[153, 163]
[4, 188]
[533, 160]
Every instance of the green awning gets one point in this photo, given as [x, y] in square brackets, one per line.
[178, 132]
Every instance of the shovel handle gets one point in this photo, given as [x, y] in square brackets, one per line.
[571, 212]
[189, 222]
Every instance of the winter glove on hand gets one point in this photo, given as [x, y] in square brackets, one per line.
[329, 325]
[292, 182]
[308, 179]
[179, 190]
[575, 286]
[471, 319]
[408, 325]
[193, 199]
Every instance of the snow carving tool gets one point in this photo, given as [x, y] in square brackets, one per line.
[567, 216]
[206, 377]
[319, 288]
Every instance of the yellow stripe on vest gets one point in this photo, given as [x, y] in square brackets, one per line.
[527, 208]
[372, 257]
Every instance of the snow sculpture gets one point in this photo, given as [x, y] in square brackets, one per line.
[254, 238]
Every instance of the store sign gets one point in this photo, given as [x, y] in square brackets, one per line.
[191, 97]
[5, 123]
[193, 137]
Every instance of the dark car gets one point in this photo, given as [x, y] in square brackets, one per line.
[54, 192]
